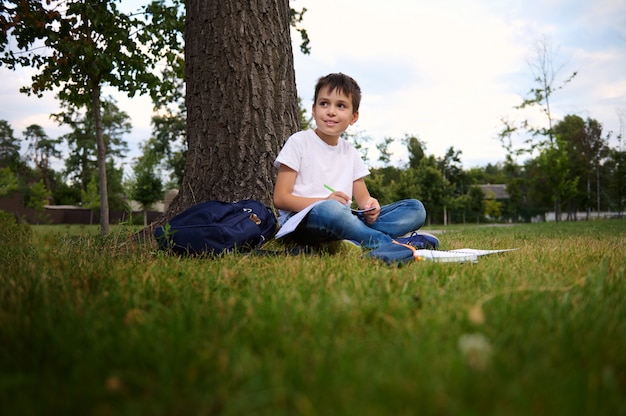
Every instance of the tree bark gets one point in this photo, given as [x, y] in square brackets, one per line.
[241, 99]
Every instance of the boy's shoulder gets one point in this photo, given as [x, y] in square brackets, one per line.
[310, 134]
[303, 138]
[303, 134]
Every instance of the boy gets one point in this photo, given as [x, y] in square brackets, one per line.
[321, 172]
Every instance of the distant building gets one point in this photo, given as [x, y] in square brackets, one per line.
[496, 191]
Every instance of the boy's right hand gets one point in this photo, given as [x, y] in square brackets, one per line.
[340, 196]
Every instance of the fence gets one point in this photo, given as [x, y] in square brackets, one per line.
[67, 214]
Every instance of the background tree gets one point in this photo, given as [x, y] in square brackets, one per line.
[360, 141]
[118, 199]
[64, 192]
[381, 183]
[82, 162]
[555, 165]
[168, 146]
[515, 187]
[433, 188]
[415, 148]
[41, 149]
[453, 179]
[409, 184]
[9, 148]
[476, 203]
[37, 197]
[16, 173]
[306, 121]
[545, 71]
[384, 153]
[241, 99]
[8, 181]
[461, 205]
[616, 166]
[493, 208]
[585, 148]
[146, 187]
[79, 47]
[90, 198]
[295, 18]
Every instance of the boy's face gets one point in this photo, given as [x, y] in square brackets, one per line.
[333, 114]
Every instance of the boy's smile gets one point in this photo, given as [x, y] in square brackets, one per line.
[333, 114]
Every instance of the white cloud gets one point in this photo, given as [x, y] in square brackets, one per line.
[448, 83]
[21, 110]
[449, 71]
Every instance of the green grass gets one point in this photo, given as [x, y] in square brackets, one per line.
[91, 325]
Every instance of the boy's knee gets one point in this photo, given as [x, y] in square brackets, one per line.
[419, 211]
[415, 204]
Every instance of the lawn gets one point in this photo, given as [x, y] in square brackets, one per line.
[92, 325]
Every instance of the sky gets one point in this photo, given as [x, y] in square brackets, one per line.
[446, 72]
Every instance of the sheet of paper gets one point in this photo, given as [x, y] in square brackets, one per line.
[459, 255]
[479, 252]
[290, 225]
[444, 256]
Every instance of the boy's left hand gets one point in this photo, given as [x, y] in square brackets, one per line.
[371, 216]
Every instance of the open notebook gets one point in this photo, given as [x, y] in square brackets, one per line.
[458, 255]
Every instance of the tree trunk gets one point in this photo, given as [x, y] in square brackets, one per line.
[102, 165]
[588, 199]
[598, 189]
[241, 99]
[557, 210]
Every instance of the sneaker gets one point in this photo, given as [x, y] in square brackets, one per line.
[420, 241]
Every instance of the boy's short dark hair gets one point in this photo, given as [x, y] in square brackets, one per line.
[342, 83]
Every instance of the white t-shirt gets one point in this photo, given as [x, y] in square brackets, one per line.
[318, 163]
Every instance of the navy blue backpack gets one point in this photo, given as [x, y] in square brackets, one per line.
[214, 227]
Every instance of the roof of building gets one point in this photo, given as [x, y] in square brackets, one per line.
[495, 191]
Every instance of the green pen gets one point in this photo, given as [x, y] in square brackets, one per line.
[329, 188]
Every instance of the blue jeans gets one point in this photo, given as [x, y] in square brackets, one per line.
[332, 220]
